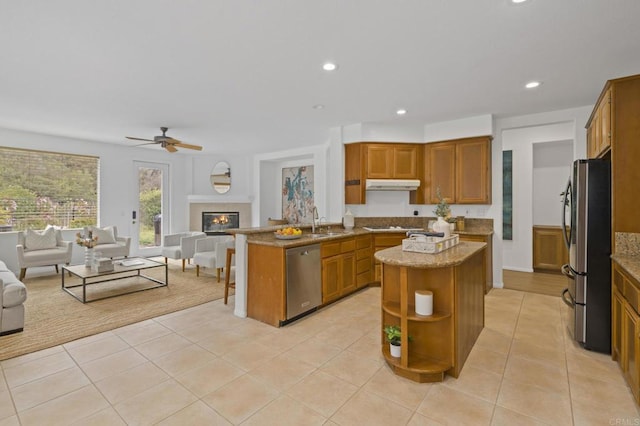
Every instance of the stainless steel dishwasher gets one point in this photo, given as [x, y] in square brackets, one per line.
[304, 284]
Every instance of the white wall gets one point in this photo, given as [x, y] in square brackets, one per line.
[268, 180]
[241, 176]
[551, 168]
[116, 174]
[519, 134]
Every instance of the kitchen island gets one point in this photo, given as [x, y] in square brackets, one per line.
[438, 344]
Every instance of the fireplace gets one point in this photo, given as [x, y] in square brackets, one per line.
[215, 223]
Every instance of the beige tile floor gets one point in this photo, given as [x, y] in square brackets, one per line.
[205, 366]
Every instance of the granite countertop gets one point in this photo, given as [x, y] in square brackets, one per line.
[630, 263]
[269, 239]
[451, 257]
[627, 253]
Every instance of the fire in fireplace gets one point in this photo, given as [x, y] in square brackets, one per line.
[215, 223]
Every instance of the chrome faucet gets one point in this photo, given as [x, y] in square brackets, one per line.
[313, 219]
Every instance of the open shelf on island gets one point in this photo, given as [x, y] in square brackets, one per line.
[393, 308]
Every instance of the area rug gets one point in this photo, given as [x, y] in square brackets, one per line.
[54, 317]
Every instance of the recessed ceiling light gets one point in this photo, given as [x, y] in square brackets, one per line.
[518, 1]
[401, 111]
[329, 66]
[532, 84]
[318, 106]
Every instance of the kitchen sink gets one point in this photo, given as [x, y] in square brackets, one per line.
[325, 234]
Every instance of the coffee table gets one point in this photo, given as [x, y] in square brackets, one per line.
[120, 271]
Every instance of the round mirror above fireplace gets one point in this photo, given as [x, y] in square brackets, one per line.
[221, 177]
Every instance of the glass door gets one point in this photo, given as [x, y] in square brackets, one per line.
[149, 217]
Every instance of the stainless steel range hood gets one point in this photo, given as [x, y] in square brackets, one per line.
[392, 184]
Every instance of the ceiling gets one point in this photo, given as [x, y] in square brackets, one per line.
[241, 76]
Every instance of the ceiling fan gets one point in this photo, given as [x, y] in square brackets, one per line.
[167, 142]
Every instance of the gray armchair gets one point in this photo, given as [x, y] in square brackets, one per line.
[13, 293]
[180, 246]
[211, 252]
[42, 249]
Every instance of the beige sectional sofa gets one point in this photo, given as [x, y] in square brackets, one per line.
[13, 293]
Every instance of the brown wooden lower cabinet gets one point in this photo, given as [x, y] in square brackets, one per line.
[488, 264]
[549, 249]
[382, 241]
[625, 327]
[346, 267]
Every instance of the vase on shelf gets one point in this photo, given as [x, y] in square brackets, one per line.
[395, 350]
[88, 256]
[442, 226]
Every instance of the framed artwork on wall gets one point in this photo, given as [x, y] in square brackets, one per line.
[297, 194]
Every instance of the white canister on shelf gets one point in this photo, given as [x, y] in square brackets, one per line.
[348, 220]
[424, 302]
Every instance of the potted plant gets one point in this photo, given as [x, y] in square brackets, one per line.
[442, 212]
[394, 336]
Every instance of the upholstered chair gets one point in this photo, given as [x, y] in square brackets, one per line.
[109, 243]
[211, 252]
[13, 293]
[180, 246]
[44, 248]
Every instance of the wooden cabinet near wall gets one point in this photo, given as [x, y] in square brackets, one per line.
[488, 263]
[625, 327]
[599, 126]
[549, 249]
[461, 169]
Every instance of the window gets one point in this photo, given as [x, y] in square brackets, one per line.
[39, 188]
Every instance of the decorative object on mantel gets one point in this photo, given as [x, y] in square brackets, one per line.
[297, 194]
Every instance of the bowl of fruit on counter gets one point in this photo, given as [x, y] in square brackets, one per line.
[288, 233]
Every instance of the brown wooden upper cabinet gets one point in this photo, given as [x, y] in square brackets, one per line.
[392, 161]
[374, 160]
[461, 168]
[599, 126]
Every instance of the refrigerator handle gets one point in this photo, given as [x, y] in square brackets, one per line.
[565, 202]
[567, 271]
[571, 303]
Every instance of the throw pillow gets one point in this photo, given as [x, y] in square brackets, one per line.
[39, 241]
[105, 235]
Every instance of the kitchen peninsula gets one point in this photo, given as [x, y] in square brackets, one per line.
[346, 259]
[439, 343]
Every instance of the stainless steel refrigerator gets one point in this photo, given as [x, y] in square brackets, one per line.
[587, 208]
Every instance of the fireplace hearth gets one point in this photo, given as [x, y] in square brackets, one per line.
[216, 223]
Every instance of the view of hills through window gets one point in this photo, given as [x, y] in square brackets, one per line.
[39, 188]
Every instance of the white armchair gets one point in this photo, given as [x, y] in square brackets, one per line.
[109, 244]
[211, 252]
[42, 249]
[180, 246]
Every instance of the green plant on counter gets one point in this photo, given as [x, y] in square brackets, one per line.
[442, 209]
[394, 335]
